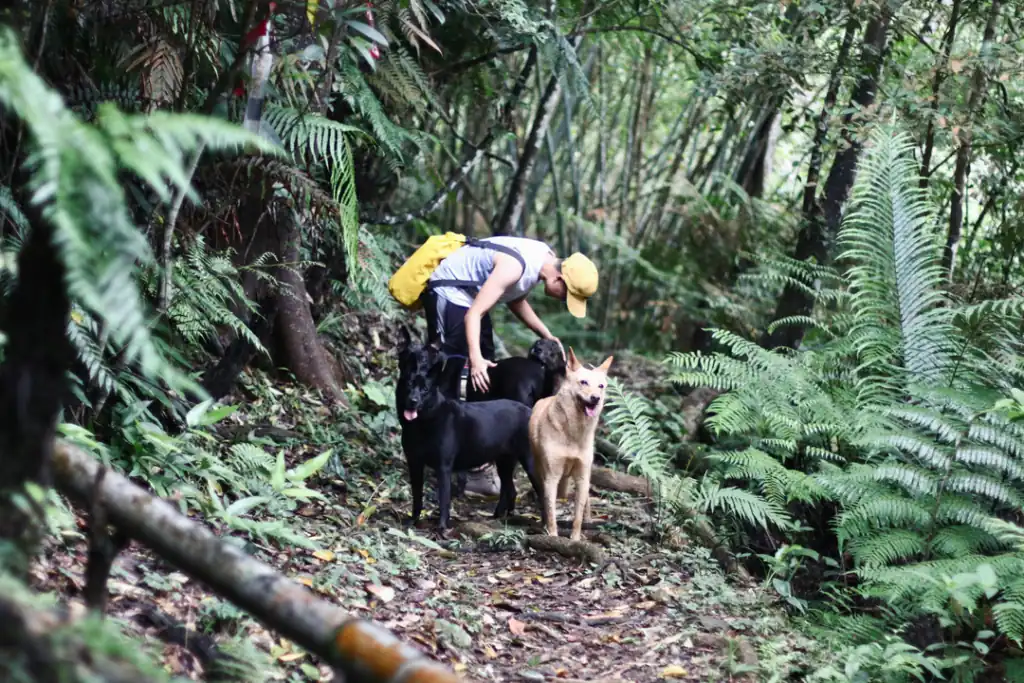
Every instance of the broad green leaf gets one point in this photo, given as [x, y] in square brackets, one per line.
[243, 505]
[311, 466]
[368, 31]
[277, 476]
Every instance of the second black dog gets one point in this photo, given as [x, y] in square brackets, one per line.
[524, 379]
[449, 436]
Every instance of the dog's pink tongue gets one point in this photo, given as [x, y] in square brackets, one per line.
[591, 411]
[410, 415]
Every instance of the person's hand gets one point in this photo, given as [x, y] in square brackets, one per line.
[560, 347]
[478, 373]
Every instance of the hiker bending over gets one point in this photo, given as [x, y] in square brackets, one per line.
[468, 283]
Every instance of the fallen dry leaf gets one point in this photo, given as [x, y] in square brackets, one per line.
[517, 627]
[673, 671]
[383, 593]
[291, 656]
[325, 555]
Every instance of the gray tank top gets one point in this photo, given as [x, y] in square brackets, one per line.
[476, 264]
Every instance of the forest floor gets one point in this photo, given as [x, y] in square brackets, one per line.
[480, 600]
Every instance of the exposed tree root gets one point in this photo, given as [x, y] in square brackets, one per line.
[576, 550]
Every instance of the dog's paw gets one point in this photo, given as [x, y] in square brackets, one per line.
[410, 521]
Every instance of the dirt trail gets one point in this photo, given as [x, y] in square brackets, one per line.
[490, 608]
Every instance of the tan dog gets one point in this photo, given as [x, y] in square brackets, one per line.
[562, 429]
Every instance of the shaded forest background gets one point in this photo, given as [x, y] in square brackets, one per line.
[807, 214]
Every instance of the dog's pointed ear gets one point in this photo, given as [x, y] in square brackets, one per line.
[603, 367]
[573, 363]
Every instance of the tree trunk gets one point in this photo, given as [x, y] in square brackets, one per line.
[756, 164]
[508, 221]
[940, 75]
[821, 223]
[963, 152]
[33, 380]
[302, 351]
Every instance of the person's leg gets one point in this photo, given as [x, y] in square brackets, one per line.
[484, 480]
[487, 338]
[431, 313]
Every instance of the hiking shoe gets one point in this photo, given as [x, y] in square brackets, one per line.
[483, 481]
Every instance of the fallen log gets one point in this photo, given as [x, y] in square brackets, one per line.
[574, 550]
[361, 650]
[612, 480]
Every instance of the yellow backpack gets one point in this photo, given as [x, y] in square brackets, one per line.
[412, 279]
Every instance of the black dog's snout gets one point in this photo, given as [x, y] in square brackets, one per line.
[593, 401]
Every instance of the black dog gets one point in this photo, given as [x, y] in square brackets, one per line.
[451, 436]
[524, 379]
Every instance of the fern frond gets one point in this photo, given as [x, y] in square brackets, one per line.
[903, 330]
[76, 172]
[887, 547]
[741, 504]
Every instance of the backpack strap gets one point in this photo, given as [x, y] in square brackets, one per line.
[481, 244]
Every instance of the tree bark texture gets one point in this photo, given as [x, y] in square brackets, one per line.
[963, 152]
[360, 649]
[507, 222]
[33, 376]
[941, 71]
[303, 352]
[821, 224]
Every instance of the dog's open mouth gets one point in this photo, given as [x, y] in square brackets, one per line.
[410, 415]
[589, 410]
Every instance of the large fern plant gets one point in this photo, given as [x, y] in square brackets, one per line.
[892, 418]
[76, 170]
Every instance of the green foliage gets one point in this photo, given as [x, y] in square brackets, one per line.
[891, 419]
[75, 179]
[628, 415]
[108, 646]
[211, 287]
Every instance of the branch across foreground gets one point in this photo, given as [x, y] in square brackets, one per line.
[359, 649]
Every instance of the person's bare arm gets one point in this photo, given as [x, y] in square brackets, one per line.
[522, 309]
[506, 272]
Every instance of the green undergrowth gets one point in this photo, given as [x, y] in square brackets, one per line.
[322, 496]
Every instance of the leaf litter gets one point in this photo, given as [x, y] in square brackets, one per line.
[490, 609]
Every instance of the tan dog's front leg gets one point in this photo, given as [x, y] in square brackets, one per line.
[582, 481]
[550, 509]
